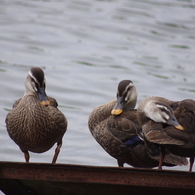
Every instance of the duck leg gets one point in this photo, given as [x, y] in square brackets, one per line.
[57, 151]
[26, 156]
[120, 163]
[191, 163]
[162, 156]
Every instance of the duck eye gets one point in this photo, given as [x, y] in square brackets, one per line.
[128, 88]
[34, 84]
[32, 80]
[37, 85]
[163, 110]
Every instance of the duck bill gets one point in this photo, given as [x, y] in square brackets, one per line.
[173, 121]
[118, 108]
[44, 101]
[179, 127]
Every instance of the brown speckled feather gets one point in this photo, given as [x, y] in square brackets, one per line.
[35, 124]
[185, 114]
[179, 142]
[109, 131]
[34, 127]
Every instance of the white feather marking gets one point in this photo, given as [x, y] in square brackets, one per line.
[131, 94]
[29, 84]
[161, 106]
[31, 75]
[151, 110]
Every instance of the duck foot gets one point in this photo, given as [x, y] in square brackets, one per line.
[57, 151]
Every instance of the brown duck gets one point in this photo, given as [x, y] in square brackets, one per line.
[185, 114]
[171, 129]
[115, 127]
[35, 124]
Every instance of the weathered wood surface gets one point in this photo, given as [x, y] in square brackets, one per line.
[58, 179]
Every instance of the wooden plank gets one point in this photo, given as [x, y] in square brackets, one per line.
[43, 178]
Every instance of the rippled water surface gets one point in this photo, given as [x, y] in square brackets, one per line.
[85, 49]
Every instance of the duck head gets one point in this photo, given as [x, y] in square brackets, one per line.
[126, 97]
[35, 85]
[158, 111]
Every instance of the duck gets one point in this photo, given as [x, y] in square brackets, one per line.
[185, 113]
[35, 123]
[115, 126]
[170, 124]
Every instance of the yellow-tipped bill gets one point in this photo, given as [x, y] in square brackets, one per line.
[42, 97]
[45, 103]
[179, 127]
[116, 111]
[173, 121]
[118, 107]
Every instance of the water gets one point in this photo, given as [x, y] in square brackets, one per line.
[85, 49]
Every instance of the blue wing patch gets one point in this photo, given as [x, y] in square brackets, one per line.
[132, 141]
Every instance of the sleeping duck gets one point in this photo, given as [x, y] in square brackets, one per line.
[169, 124]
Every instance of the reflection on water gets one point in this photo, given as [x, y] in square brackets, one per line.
[86, 48]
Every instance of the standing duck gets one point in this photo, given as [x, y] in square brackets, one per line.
[169, 124]
[115, 127]
[35, 124]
